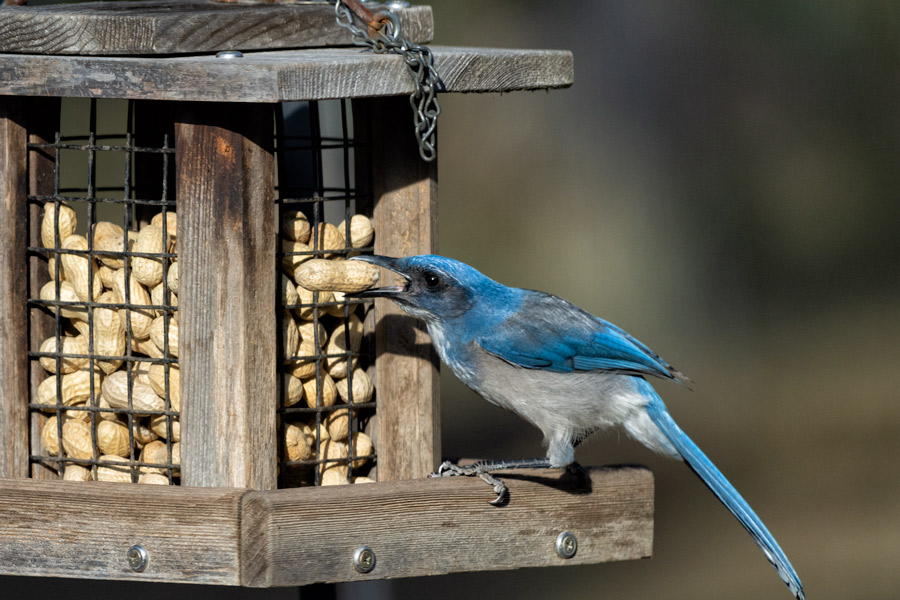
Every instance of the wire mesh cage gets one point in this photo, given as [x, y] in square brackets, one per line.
[326, 404]
[107, 371]
[107, 403]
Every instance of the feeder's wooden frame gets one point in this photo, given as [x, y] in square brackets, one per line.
[227, 524]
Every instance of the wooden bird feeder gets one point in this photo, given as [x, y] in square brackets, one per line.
[115, 118]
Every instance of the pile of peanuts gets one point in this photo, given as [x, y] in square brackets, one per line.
[101, 279]
[334, 384]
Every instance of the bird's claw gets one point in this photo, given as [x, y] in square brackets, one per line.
[451, 469]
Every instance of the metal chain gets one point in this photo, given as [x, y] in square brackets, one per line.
[384, 35]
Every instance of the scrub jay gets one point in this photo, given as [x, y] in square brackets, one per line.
[560, 368]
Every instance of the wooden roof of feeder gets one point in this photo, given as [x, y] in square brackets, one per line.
[164, 50]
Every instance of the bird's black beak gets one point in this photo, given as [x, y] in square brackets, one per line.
[386, 262]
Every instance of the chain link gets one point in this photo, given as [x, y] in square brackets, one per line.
[384, 35]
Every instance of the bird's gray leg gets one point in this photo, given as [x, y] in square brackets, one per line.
[483, 469]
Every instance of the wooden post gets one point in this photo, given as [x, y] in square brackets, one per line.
[406, 374]
[227, 314]
[13, 290]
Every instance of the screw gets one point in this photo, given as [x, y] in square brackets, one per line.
[566, 544]
[137, 558]
[229, 54]
[364, 559]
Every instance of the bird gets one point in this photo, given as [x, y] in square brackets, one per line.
[558, 367]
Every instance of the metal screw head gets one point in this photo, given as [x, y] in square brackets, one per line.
[229, 54]
[364, 559]
[566, 544]
[137, 558]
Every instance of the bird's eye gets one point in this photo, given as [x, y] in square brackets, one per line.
[432, 281]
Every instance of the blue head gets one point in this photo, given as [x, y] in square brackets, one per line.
[435, 288]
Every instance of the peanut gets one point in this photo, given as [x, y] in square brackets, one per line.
[112, 438]
[142, 435]
[66, 294]
[153, 479]
[80, 270]
[292, 261]
[361, 231]
[362, 480]
[149, 271]
[296, 444]
[333, 477]
[331, 450]
[290, 337]
[320, 275]
[112, 472]
[109, 333]
[345, 338]
[76, 473]
[159, 426]
[361, 389]
[67, 224]
[362, 447]
[307, 297]
[157, 373]
[293, 389]
[68, 345]
[304, 368]
[288, 291]
[338, 424]
[143, 398]
[171, 223]
[327, 237]
[311, 389]
[309, 332]
[110, 239]
[137, 296]
[158, 335]
[75, 388]
[295, 226]
[172, 277]
[77, 441]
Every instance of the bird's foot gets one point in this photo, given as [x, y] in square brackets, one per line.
[480, 470]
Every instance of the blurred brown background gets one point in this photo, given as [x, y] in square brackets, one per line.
[721, 181]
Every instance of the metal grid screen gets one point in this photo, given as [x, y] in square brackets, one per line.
[105, 394]
[104, 327]
[326, 402]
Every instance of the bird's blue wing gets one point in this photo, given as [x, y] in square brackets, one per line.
[547, 332]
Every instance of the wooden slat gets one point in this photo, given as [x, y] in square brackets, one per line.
[84, 530]
[172, 27]
[430, 527]
[13, 290]
[226, 310]
[406, 369]
[279, 76]
[43, 123]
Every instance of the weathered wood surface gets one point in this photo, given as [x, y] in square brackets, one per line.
[226, 310]
[173, 27]
[306, 535]
[84, 530]
[406, 369]
[430, 527]
[13, 290]
[279, 76]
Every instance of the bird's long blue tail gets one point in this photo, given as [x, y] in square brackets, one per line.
[722, 488]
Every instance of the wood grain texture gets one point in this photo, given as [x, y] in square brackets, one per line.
[13, 290]
[430, 527]
[226, 237]
[171, 27]
[83, 530]
[406, 369]
[279, 76]
[43, 123]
